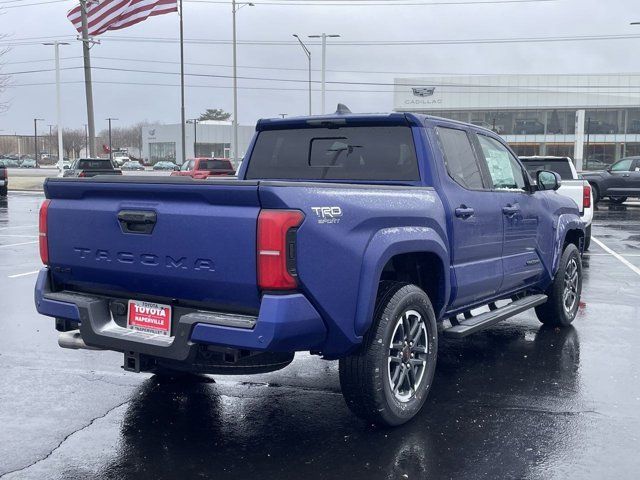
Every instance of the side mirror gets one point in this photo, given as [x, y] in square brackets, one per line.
[547, 180]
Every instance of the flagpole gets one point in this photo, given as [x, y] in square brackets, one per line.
[182, 116]
[87, 78]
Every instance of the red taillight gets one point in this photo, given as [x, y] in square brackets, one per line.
[586, 196]
[276, 249]
[82, 174]
[43, 230]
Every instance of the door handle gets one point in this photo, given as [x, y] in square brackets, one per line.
[510, 210]
[137, 221]
[464, 212]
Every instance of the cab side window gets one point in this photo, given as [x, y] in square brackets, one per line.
[505, 171]
[622, 166]
[460, 158]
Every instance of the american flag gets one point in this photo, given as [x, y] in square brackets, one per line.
[116, 14]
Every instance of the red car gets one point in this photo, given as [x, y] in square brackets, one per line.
[205, 167]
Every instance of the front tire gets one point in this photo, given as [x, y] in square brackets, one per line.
[4, 191]
[388, 379]
[562, 305]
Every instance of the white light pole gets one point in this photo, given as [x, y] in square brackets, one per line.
[234, 148]
[308, 54]
[56, 45]
[324, 37]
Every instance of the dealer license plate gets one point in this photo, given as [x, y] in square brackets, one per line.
[149, 317]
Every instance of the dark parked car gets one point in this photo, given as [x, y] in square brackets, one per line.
[529, 126]
[90, 167]
[132, 165]
[166, 166]
[618, 182]
[345, 237]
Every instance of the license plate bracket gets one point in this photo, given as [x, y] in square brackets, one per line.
[149, 317]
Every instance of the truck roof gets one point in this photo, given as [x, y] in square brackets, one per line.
[395, 118]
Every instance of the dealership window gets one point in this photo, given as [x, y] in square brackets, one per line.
[218, 150]
[525, 149]
[599, 156]
[632, 150]
[603, 122]
[162, 151]
[560, 149]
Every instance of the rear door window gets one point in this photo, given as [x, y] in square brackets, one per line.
[345, 153]
[459, 158]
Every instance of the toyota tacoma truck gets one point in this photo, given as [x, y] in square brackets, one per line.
[352, 237]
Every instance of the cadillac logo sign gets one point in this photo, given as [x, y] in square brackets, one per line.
[423, 91]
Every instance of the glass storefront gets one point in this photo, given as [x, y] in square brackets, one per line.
[162, 151]
[217, 150]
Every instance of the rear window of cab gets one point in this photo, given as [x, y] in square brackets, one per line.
[345, 153]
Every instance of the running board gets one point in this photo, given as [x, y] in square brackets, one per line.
[484, 320]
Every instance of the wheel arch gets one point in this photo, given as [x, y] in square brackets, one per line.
[570, 229]
[412, 254]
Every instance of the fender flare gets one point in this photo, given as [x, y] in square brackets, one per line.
[384, 245]
[566, 222]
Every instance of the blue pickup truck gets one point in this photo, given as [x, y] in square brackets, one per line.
[353, 237]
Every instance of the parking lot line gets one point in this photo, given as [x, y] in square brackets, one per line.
[17, 275]
[18, 226]
[617, 255]
[18, 236]
[17, 244]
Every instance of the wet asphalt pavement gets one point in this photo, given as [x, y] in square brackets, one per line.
[514, 401]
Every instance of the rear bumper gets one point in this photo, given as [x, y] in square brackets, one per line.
[285, 323]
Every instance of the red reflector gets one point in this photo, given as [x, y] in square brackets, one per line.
[43, 230]
[586, 196]
[273, 250]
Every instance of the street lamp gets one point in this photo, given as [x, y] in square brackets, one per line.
[110, 149]
[35, 138]
[324, 37]
[308, 53]
[195, 135]
[234, 8]
[56, 45]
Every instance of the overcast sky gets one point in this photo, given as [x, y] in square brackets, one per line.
[136, 96]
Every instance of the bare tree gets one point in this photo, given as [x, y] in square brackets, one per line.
[129, 137]
[73, 140]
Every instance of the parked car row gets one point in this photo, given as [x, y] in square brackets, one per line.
[14, 163]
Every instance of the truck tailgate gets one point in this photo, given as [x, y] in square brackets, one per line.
[199, 248]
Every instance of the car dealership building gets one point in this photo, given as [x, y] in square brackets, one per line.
[594, 119]
[209, 138]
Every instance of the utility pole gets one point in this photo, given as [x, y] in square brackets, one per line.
[308, 53]
[86, 140]
[87, 77]
[182, 120]
[195, 135]
[324, 37]
[35, 139]
[234, 148]
[110, 148]
[49, 140]
[56, 45]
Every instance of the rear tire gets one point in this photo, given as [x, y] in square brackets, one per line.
[388, 379]
[564, 293]
[618, 200]
[587, 238]
[4, 191]
[596, 193]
